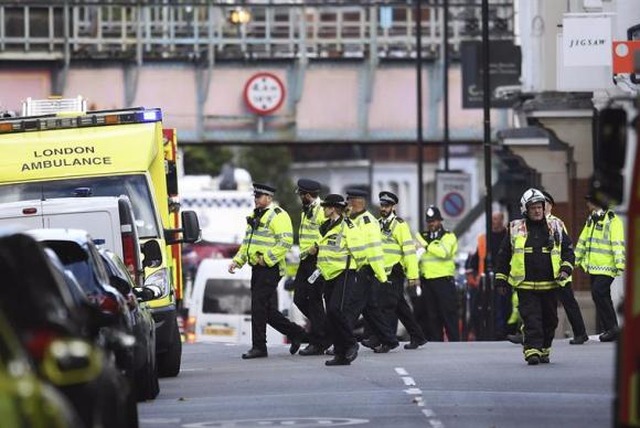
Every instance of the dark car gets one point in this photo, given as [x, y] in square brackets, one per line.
[145, 376]
[56, 333]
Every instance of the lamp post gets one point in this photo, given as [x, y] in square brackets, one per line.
[418, 22]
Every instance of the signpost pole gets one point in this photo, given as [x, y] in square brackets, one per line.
[418, 23]
[445, 82]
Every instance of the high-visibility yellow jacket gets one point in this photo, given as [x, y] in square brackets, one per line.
[340, 248]
[438, 259]
[600, 249]
[308, 234]
[369, 229]
[398, 246]
[269, 235]
[561, 255]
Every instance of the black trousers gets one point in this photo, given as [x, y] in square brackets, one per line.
[308, 298]
[264, 308]
[395, 307]
[441, 299]
[369, 307]
[571, 307]
[601, 294]
[539, 312]
[343, 294]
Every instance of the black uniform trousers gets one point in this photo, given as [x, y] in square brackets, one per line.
[571, 307]
[308, 298]
[395, 307]
[539, 312]
[264, 308]
[369, 307]
[342, 295]
[441, 298]
[601, 294]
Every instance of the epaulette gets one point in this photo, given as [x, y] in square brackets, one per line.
[349, 223]
[611, 215]
[366, 219]
[399, 220]
[277, 210]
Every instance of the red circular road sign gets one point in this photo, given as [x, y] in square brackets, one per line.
[453, 204]
[264, 93]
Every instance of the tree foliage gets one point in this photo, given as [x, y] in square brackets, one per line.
[205, 159]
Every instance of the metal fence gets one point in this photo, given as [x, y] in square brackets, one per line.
[205, 30]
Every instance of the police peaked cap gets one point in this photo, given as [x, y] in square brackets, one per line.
[357, 193]
[263, 189]
[548, 197]
[334, 200]
[388, 198]
[308, 186]
[433, 213]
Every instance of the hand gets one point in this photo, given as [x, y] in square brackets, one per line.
[232, 267]
[562, 276]
[501, 284]
[313, 251]
[414, 282]
[261, 260]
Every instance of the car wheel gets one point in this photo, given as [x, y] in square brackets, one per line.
[169, 361]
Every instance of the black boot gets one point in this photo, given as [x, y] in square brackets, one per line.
[337, 361]
[579, 339]
[415, 343]
[311, 350]
[255, 353]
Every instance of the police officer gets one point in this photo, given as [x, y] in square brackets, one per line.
[307, 296]
[401, 262]
[437, 269]
[340, 253]
[535, 258]
[267, 239]
[600, 253]
[372, 274]
[565, 294]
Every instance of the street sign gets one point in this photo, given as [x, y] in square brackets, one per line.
[264, 93]
[453, 195]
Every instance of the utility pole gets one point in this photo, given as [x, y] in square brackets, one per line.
[418, 23]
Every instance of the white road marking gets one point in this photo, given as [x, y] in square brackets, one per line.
[408, 380]
[401, 371]
[429, 413]
[435, 423]
[417, 399]
[413, 391]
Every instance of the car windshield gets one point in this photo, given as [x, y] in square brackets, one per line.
[227, 296]
[134, 186]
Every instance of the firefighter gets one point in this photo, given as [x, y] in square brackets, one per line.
[340, 254]
[437, 269]
[600, 253]
[565, 294]
[401, 262]
[267, 239]
[372, 274]
[307, 296]
[535, 258]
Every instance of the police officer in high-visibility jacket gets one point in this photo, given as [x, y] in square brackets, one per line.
[535, 258]
[373, 273]
[307, 296]
[268, 237]
[340, 253]
[600, 253]
[437, 270]
[401, 262]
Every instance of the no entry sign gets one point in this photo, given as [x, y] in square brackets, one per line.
[264, 93]
[453, 195]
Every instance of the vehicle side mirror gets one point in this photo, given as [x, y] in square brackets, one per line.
[120, 284]
[190, 227]
[152, 254]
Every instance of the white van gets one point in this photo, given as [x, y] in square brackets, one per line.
[220, 306]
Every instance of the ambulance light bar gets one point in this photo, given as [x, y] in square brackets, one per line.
[53, 105]
[98, 118]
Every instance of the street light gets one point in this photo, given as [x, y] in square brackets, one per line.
[239, 16]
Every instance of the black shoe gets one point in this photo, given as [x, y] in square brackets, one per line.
[415, 344]
[579, 340]
[311, 350]
[330, 351]
[533, 360]
[352, 353]
[609, 336]
[295, 345]
[545, 359]
[254, 353]
[515, 338]
[370, 343]
[337, 361]
[384, 348]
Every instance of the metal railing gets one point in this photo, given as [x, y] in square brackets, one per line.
[196, 30]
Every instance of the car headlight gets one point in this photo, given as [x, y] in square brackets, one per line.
[160, 279]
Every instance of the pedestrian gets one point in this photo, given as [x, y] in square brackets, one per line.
[372, 274]
[502, 296]
[307, 296]
[267, 239]
[400, 262]
[565, 294]
[535, 258]
[437, 270]
[600, 253]
[340, 253]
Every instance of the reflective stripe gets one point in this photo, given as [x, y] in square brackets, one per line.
[392, 251]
